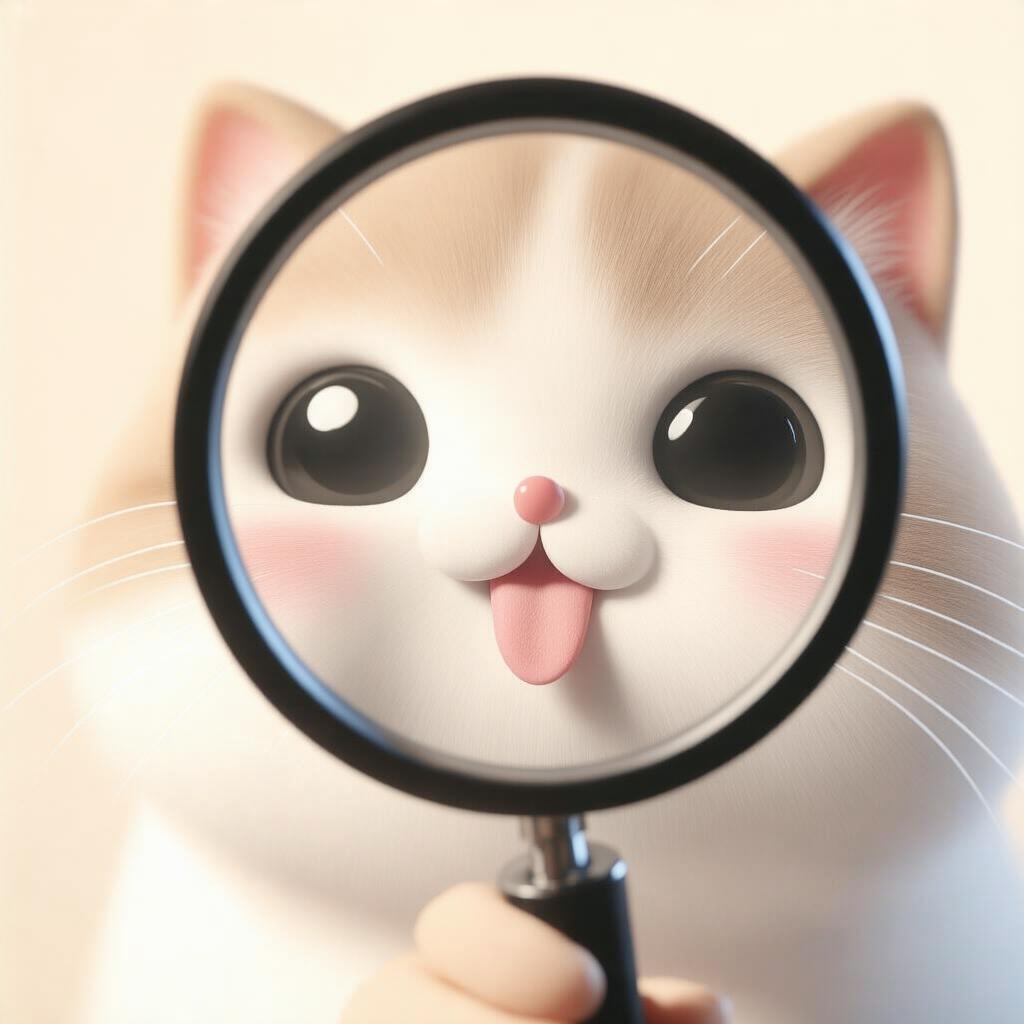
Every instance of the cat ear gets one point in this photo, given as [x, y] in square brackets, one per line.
[246, 143]
[885, 178]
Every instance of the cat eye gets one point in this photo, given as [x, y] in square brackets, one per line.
[353, 435]
[739, 440]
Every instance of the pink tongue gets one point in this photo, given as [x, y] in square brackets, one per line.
[540, 619]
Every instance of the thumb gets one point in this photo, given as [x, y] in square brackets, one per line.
[671, 1001]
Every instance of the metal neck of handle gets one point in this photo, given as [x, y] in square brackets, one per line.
[558, 849]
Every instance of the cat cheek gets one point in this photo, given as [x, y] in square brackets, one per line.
[782, 562]
[295, 566]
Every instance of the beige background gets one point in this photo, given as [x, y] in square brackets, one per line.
[102, 90]
[96, 96]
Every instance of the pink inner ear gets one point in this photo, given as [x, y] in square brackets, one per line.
[241, 163]
[892, 169]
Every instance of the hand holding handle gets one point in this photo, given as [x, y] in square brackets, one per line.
[580, 890]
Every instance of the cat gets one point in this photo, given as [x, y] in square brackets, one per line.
[851, 867]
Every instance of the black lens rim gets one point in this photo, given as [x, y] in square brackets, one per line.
[261, 651]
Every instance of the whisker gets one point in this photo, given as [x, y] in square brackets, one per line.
[137, 677]
[966, 529]
[136, 576]
[102, 699]
[153, 746]
[955, 622]
[104, 641]
[91, 522]
[932, 736]
[696, 263]
[732, 266]
[355, 227]
[1007, 771]
[938, 615]
[957, 579]
[66, 738]
[946, 658]
[87, 572]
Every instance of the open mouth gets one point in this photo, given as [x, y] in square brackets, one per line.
[540, 618]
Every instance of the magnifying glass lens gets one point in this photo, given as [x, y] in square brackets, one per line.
[543, 452]
[538, 451]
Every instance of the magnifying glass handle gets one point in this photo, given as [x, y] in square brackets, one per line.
[580, 890]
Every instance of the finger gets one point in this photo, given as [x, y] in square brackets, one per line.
[406, 991]
[672, 1001]
[472, 938]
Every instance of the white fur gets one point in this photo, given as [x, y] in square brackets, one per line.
[840, 872]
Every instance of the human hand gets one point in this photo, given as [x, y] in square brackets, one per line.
[479, 960]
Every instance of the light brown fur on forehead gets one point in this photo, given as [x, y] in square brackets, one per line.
[444, 236]
[439, 236]
[675, 251]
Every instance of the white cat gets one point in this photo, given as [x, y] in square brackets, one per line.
[844, 870]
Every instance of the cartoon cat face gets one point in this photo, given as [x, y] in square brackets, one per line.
[568, 310]
[640, 288]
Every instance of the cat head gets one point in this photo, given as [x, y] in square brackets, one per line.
[530, 325]
[577, 414]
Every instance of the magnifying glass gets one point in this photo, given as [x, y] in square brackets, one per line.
[538, 450]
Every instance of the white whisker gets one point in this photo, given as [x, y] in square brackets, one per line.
[807, 572]
[957, 579]
[104, 641]
[955, 622]
[1007, 771]
[88, 572]
[696, 263]
[153, 746]
[84, 719]
[732, 266]
[938, 615]
[355, 227]
[946, 658]
[92, 522]
[138, 677]
[966, 529]
[137, 576]
[931, 735]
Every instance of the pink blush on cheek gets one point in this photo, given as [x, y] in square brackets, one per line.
[778, 560]
[299, 566]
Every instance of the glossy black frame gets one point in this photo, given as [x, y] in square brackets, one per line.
[260, 649]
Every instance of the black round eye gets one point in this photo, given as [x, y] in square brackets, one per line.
[739, 440]
[348, 436]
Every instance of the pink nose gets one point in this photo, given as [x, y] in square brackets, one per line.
[539, 499]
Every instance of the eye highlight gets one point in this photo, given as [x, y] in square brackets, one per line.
[352, 435]
[739, 440]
